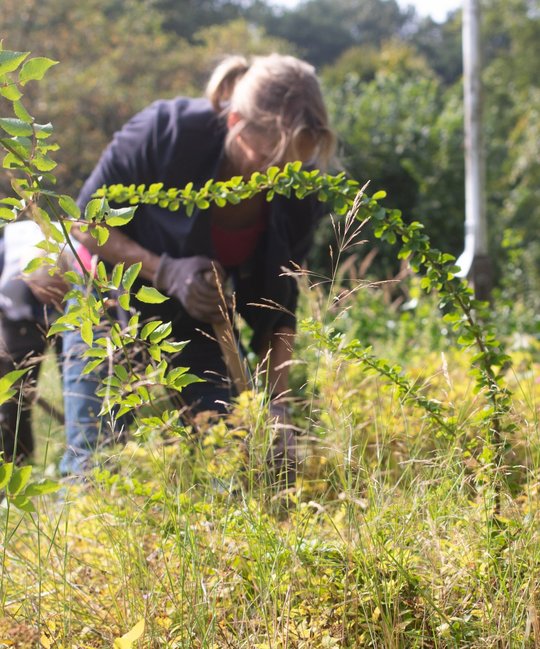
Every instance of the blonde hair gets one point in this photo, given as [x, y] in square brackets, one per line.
[274, 94]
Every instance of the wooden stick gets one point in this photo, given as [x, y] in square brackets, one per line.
[231, 354]
[50, 409]
[230, 348]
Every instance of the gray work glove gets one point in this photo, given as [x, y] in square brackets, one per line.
[192, 281]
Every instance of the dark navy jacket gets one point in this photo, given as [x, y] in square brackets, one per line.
[179, 141]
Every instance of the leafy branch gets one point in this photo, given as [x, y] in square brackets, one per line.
[467, 316]
[337, 191]
[354, 350]
[28, 156]
[27, 159]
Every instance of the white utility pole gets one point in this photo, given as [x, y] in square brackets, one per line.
[474, 262]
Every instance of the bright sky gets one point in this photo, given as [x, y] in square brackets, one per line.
[437, 9]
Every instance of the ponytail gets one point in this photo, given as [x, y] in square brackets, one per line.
[223, 80]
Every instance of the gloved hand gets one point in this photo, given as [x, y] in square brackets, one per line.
[189, 280]
[48, 289]
[278, 413]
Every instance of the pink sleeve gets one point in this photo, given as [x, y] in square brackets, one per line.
[85, 257]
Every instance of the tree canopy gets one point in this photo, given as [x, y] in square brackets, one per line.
[392, 81]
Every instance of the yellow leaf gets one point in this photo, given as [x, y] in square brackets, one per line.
[127, 640]
[164, 622]
[46, 642]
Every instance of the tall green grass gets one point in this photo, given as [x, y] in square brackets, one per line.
[389, 538]
[414, 519]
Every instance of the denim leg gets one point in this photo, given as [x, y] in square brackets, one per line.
[81, 406]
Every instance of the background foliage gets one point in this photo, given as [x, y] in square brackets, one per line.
[415, 522]
[392, 80]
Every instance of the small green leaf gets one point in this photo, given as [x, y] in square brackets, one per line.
[155, 353]
[466, 339]
[15, 127]
[24, 504]
[73, 277]
[95, 352]
[116, 276]
[148, 328]
[87, 332]
[183, 380]
[101, 272]
[14, 202]
[150, 295]
[160, 333]
[19, 480]
[91, 365]
[7, 214]
[7, 381]
[10, 61]
[12, 161]
[6, 471]
[41, 488]
[34, 265]
[122, 373]
[22, 113]
[452, 317]
[43, 162]
[100, 234]
[11, 92]
[120, 217]
[133, 324]
[173, 347]
[202, 203]
[115, 335]
[58, 327]
[131, 275]
[94, 209]
[43, 131]
[176, 373]
[124, 301]
[69, 206]
[35, 69]
[19, 146]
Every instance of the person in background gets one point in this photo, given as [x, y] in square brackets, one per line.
[255, 114]
[28, 304]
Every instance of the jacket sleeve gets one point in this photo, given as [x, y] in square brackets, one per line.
[128, 158]
[299, 231]
[274, 287]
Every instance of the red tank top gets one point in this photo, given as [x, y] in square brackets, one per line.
[235, 247]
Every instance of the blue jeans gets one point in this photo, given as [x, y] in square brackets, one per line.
[83, 425]
[86, 430]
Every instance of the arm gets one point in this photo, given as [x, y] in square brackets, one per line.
[135, 156]
[47, 289]
[129, 158]
[183, 279]
[277, 351]
[120, 248]
[282, 456]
